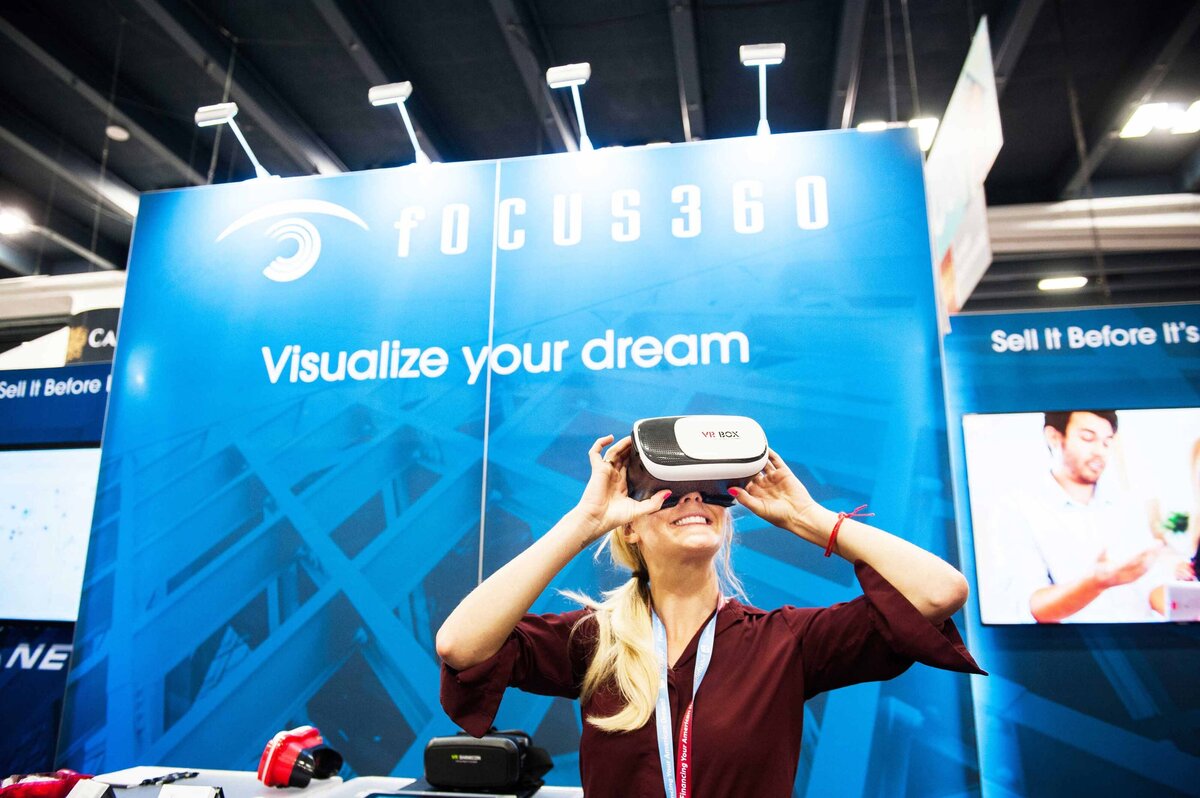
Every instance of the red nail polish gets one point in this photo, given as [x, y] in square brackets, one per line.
[733, 492]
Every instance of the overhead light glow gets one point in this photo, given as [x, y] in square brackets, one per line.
[762, 54]
[926, 129]
[1062, 283]
[116, 133]
[219, 114]
[1189, 120]
[1146, 118]
[568, 75]
[390, 93]
[13, 222]
[1149, 117]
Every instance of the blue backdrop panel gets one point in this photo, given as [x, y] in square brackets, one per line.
[269, 550]
[841, 370]
[261, 549]
[1099, 709]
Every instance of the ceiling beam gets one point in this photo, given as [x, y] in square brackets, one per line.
[75, 249]
[61, 227]
[67, 65]
[848, 68]
[687, 68]
[533, 74]
[1075, 176]
[367, 53]
[49, 152]
[1010, 36]
[210, 51]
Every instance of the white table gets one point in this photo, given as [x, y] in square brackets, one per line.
[245, 784]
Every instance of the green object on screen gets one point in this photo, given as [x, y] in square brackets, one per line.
[1176, 522]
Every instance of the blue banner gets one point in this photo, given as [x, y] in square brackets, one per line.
[340, 401]
[46, 498]
[40, 407]
[1079, 707]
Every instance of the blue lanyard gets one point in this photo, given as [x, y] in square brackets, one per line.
[662, 708]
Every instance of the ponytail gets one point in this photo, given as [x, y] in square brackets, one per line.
[624, 655]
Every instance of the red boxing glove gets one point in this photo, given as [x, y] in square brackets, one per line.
[293, 758]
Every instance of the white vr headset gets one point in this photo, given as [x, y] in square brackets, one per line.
[686, 454]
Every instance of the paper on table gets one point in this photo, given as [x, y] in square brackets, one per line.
[134, 777]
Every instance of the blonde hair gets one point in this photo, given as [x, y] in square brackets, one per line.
[624, 656]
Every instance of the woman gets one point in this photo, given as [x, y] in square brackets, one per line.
[757, 668]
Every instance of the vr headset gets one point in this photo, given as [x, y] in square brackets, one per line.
[686, 454]
[500, 760]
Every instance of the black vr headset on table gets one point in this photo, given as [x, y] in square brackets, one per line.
[686, 454]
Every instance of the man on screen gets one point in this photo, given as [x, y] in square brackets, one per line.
[1081, 550]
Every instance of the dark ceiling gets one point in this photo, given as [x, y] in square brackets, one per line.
[1068, 72]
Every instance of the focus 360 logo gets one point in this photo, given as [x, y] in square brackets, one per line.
[293, 227]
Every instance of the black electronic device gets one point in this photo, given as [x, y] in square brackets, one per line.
[500, 760]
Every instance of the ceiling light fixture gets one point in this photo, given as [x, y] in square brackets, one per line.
[1172, 117]
[762, 56]
[116, 133]
[396, 94]
[223, 114]
[1147, 117]
[1062, 283]
[14, 222]
[573, 76]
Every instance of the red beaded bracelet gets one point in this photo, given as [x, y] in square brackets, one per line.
[842, 517]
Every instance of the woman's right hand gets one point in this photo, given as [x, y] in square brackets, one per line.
[605, 503]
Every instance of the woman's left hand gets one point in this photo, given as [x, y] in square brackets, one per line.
[776, 495]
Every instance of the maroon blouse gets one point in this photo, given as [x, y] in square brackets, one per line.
[764, 666]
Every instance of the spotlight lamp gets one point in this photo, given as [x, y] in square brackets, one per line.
[14, 222]
[223, 114]
[390, 93]
[573, 76]
[397, 94]
[762, 56]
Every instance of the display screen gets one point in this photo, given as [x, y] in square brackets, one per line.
[1087, 516]
[46, 499]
